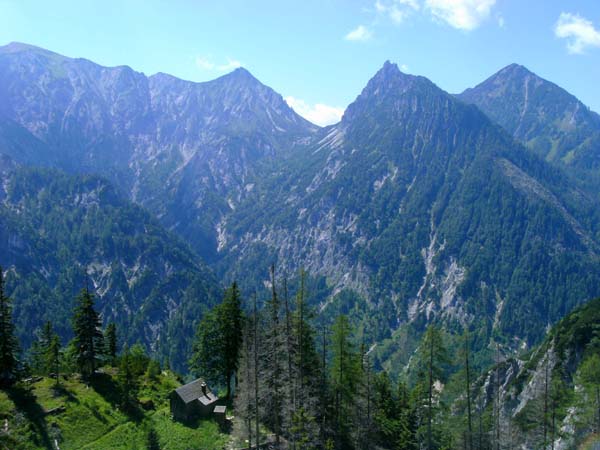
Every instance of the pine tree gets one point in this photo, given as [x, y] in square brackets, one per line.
[274, 362]
[126, 380]
[207, 359]
[588, 376]
[88, 337]
[110, 339]
[244, 399]
[559, 394]
[466, 354]
[39, 350]
[231, 319]
[256, 351]
[153, 370]
[53, 357]
[324, 392]
[345, 378]
[218, 341]
[432, 361]
[407, 424]
[305, 373]
[290, 343]
[8, 341]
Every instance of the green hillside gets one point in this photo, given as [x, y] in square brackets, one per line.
[92, 419]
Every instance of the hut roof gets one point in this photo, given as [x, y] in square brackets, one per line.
[193, 391]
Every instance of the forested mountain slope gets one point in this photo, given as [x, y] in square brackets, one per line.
[424, 207]
[59, 233]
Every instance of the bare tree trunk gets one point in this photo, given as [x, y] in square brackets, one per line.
[323, 407]
[276, 393]
[468, 374]
[480, 430]
[256, 374]
[598, 409]
[545, 417]
[553, 422]
[497, 396]
[300, 306]
[430, 400]
[339, 393]
[248, 402]
[367, 433]
[291, 379]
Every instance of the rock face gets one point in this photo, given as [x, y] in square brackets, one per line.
[415, 207]
[548, 119]
[545, 378]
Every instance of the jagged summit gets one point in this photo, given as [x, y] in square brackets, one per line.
[241, 73]
[391, 94]
[389, 77]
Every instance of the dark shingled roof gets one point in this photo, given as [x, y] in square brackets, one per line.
[193, 391]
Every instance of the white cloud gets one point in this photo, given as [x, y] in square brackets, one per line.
[404, 68]
[206, 64]
[579, 32]
[396, 10]
[360, 33]
[318, 113]
[461, 14]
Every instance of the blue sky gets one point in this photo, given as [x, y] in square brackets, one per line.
[320, 54]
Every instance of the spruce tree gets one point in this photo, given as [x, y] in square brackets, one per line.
[39, 350]
[432, 359]
[274, 362]
[229, 314]
[8, 342]
[588, 377]
[244, 398]
[53, 357]
[305, 373]
[206, 360]
[345, 379]
[88, 337]
[218, 341]
[126, 380]
[110, 339]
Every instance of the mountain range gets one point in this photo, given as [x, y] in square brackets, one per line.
[475, 209]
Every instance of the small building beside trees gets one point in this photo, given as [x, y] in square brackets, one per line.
[193, 401]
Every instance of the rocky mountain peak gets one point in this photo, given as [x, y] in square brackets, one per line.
[388, 79]
[391, 95]
[515, 70]
[551, 121]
